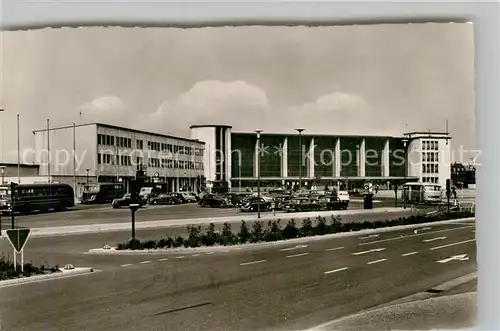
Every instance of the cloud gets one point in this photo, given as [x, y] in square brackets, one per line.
[108, 109]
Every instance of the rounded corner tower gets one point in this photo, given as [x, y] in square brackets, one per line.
[217, 154]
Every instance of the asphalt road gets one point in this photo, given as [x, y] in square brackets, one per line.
[106, 214]
[273, 288]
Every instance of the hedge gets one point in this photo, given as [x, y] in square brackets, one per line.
[7, 270]
[274, 231]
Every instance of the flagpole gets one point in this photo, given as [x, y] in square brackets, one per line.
[48, 150]
[74, 160]
[18, 153]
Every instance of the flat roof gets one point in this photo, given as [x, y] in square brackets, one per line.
[210, 126]
[13, 164]
[120, 128]
[317, 135]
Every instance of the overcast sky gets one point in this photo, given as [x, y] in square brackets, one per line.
[379, 79]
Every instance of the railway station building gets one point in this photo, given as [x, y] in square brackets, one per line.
[341, 161]
[96, 152]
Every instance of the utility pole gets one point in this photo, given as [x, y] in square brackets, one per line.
[300, 157]
[258, 172]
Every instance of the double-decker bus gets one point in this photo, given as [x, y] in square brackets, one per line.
[97, 193]
[36, 197]
[422, 193]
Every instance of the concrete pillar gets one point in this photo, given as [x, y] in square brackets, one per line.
[362, 159]
[386, 160]
[284, 158]
[337, 160]
[310, 163]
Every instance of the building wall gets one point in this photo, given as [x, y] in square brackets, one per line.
[10, 170]
[207, 135]
[26, 179]
[242, 154]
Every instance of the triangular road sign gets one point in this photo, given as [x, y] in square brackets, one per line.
[18, 238]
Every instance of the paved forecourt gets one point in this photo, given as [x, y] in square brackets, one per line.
[279, 287]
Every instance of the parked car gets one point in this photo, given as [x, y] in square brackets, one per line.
[303, 204]
[281, 200]
[165, 199]
[215, 200]
[329, 202]
[343, 196]
[125, 201]
[251, 205]
[188, 196]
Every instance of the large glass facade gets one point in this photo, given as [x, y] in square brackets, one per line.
[297, 156]
[374, 151]
[396, 157]
[242, 154]
[270, 156]
[324, 156]
[349, 156]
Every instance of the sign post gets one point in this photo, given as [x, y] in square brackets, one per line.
[18, 239]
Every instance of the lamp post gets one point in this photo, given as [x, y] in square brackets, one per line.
[258, 131]
[2, 169]
[300, 157]
[403, 192]
[87, 171]
[358, 162]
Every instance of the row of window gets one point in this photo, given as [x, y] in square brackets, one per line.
[167, 163]
[431, 168]
[108, 140]
[430, 145]
[430, 180]
[430, 157]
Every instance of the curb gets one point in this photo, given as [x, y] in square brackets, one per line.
[163, 224]
[40, 278]
[114, 251]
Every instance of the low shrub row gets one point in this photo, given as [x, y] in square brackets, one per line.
[274, 231]
[7, 270]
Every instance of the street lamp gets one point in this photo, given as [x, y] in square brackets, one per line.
[403, 193]
[2, 169]
[87, 171]
[300, 157]
[258, 131]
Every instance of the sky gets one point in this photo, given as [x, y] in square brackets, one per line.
[366, 79]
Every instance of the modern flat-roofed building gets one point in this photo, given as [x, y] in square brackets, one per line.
[107, 153]
[22, 174]
[314, 159]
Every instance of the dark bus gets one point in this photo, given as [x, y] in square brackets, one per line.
[39, 197]
[97, 193]
[220, 187]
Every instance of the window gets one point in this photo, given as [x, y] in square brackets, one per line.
[436, 145]
[423, 156]
[437, 157]
[98, 158]
[437, 168]
[139, 144]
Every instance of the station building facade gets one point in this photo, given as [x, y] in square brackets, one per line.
[318, 160]
[107, 153]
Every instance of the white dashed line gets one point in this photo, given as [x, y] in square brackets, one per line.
[210, 253]
[370, 251]
[433, 239]
[376, 261]
[164, 259]
[334, 249]
[293, 248]
[179, 257]
[195, 255]
[454, 244]
[125, 265]
[369, 237]
[297, 255]
[253, 262]
[336, 270]
[423, 229]
[413, 235]
[144, 262]
[408, 254]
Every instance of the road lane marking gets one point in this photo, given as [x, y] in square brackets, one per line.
[334, 249]
[297, 255]
[408, 254]
[293, 248]
[179, 257]
[376, 261]
[454, 244]
[336, 270]
[369, 237]
[433, 239]
[253, 262]
[145, 262]
[413, 235]
[195, 255]
[126, 265]
[462, 257]
[164, 259]
[210, 253]
[370, 251]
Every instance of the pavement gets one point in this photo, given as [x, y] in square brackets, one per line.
[273, 288]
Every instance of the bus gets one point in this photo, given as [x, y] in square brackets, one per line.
[97, 193]
[37, 197]
[422, 193]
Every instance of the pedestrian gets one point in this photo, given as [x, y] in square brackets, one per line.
[376, 189]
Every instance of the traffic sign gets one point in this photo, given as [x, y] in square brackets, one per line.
[18, 238]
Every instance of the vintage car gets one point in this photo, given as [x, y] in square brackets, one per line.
[330, 202]
[252, 205]
[125, 201]
[300, 204]
[215, 200]
[166, 199]
[281, 201]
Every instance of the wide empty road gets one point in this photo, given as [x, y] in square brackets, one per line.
[281, 287]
